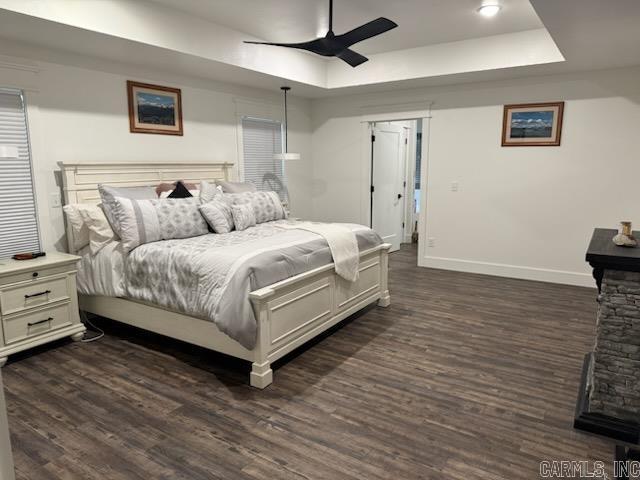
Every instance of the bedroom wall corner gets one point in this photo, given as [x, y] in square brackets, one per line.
[523, 212]
[77, 110]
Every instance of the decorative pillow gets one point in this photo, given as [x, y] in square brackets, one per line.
[243, 216]
[209, 191]
[100, 232]
[77, 224]
[180, 191]
[109, 194]
[164, 189]
[236, 187]
[194, 193]
[145, 221]
[266, 205]
[218, 215]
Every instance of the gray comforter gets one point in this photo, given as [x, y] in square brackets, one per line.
[210, 276]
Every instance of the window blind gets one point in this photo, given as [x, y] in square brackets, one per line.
[261, 139]
[18, 221]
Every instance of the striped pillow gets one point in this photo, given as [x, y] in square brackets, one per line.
[145, 221]
[267, 206]
[108, 195]
[243, 216]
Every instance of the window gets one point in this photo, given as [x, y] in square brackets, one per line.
[261, 139]
[18, 221]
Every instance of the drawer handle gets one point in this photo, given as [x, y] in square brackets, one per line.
[33, 324]
[46, 292]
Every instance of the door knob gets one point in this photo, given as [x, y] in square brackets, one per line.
[399, 196]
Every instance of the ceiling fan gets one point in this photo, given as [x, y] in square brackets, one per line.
[332, 45]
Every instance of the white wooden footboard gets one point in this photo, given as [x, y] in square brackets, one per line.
[291, 312]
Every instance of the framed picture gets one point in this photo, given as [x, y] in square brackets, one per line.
[154, 109]
[532, 124]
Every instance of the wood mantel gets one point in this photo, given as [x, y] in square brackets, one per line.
[603, 254]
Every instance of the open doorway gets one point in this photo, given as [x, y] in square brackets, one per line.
[395, 180]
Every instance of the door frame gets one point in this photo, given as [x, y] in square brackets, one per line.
[365, 188]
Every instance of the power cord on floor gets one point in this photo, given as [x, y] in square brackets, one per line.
[97, 335]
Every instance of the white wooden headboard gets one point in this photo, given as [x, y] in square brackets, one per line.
[80, 180]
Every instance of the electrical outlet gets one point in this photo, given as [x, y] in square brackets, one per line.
[431, 242]
[454, 186]
[56, 201]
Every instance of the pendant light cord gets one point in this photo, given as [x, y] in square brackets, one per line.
[286, 120]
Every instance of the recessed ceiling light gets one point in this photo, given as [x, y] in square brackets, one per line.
[489, 10]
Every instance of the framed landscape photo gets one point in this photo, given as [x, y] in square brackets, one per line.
[154, 109]
[532, 124]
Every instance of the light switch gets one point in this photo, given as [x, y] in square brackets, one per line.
[454, 186]
[56, 201]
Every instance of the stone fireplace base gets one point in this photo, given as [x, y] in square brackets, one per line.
[615, 371]
[599, 423]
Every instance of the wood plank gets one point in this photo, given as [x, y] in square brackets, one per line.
[463, 376]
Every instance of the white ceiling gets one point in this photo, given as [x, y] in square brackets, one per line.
[421, 22]
[561, 36]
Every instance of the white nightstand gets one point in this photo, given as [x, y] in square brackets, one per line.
[38, 302]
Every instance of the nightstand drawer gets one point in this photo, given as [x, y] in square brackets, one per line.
[21, 327]
[26, 295]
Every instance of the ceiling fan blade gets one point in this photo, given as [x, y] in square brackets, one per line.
[352, 58]
[315, 46]
[368, 30]
[290, 45]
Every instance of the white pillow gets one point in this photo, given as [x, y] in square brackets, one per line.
[218, 215]
[267, 206]
[145, 221]
[79, 228]
[243, 216]
[209, 191]
[236, 187]
[100, 232]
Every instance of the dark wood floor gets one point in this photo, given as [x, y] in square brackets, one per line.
[463, 377]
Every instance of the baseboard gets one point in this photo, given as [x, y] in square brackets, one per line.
[511, 271]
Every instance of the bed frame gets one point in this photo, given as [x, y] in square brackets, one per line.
[289, 313]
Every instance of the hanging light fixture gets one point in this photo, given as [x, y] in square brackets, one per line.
[286, 155]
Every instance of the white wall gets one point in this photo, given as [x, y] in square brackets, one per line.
[78, 112]
[524, 212]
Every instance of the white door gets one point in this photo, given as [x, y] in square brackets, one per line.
[388, 171]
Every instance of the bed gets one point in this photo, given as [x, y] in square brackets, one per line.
[287, 313]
